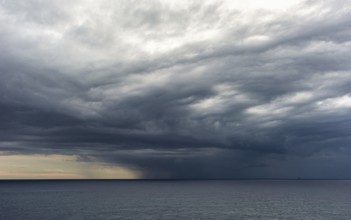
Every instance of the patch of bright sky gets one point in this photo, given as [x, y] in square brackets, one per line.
[58, 167]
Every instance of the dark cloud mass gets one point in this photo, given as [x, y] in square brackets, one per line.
[201, 89]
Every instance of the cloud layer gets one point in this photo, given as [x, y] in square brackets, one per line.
[200, 89]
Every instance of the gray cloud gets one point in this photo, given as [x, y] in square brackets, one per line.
[193, 90]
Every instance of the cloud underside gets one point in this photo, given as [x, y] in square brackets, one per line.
[188, 90]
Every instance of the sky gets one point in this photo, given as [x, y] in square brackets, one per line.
[175, 89]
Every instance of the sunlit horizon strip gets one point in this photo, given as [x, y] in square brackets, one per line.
[58, 167]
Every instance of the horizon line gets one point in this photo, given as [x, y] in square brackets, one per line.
[176, 179]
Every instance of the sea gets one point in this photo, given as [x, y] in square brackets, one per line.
[175, 199]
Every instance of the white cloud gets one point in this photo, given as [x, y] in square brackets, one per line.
[335, 103]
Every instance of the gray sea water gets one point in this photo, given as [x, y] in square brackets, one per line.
[264, 199]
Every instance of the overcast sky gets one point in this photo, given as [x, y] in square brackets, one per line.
[180, 89]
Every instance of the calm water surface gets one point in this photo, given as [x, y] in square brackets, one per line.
[78, 200]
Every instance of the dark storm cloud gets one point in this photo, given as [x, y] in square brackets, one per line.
[193, 90]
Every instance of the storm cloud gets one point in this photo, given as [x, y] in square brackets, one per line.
[193, 89]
